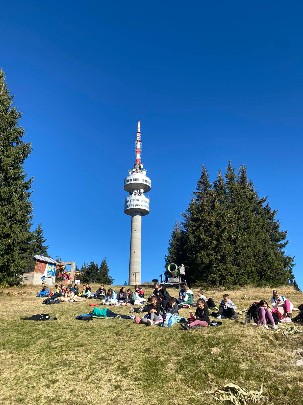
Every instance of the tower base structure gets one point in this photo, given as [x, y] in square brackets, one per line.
[135, 251]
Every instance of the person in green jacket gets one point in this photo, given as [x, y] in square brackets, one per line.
[107, 313]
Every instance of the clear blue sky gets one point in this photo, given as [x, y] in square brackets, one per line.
[210, 82]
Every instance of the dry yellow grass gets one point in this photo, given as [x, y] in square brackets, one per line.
[114, 360]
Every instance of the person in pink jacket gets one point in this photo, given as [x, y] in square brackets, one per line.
[281, 305]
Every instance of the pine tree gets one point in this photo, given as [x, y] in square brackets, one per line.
[83, 274]
[39, 247]
[89, 273]
[15, 205]
[230, 234]
[198, 240]
[104, 273]
[176, 248]
[93, 273]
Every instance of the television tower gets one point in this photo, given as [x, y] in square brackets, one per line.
[136, 205]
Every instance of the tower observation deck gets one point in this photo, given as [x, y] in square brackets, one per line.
[136, 205]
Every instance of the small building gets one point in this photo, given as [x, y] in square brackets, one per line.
[44, 272]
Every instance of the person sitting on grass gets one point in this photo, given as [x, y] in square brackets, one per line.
[45, 292]
[110, 298]
[265, 315]
[100, 293]
[57, 291]
[70, 296]
[188, 298]
[153, 316]
[172, 307]
[161, 294]
[122, 296]
[129, 296]
[144, 305]
[299, 317]
[181, 293]
[201, 317]
[158, 291]
[227, 308]
[171, 313]
[75, 289]
[86, 291]
[281, 305]
[209, 301]
[139, 290]
[136, 299]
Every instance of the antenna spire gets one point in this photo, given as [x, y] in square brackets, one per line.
[138, 145]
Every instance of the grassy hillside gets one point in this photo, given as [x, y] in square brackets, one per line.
[113, 360]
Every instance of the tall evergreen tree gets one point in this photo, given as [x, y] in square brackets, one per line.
[176, 248]
[93, 273]
[39, 247]
[89, 272]
[15, 205]
[231, 236]
[199, 224]
[105, 278]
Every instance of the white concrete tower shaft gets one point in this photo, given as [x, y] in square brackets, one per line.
[135, 251]
[136, 205]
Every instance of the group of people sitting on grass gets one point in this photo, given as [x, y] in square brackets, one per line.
[163, 309]
[281, 311]
[63, 293]
[160, 306]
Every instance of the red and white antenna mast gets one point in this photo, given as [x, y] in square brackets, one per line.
[138, 146]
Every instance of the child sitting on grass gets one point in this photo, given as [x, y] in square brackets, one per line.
[201, 317]
[172, 307]
[122, 296]
[44, 292]
[265, 315]
[100, 293]
[110, 298]
[137, 299]
[281, 305]
[188, 298]
[227, 308]
[209, 301]
[153, 316]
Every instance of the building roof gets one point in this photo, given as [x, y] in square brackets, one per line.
[45, 259]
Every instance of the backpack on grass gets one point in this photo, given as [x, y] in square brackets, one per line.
[170, 320]
[84, 317]
[51, 300]
[40, 317]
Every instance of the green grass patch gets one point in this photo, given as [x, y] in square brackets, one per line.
[108, 360]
